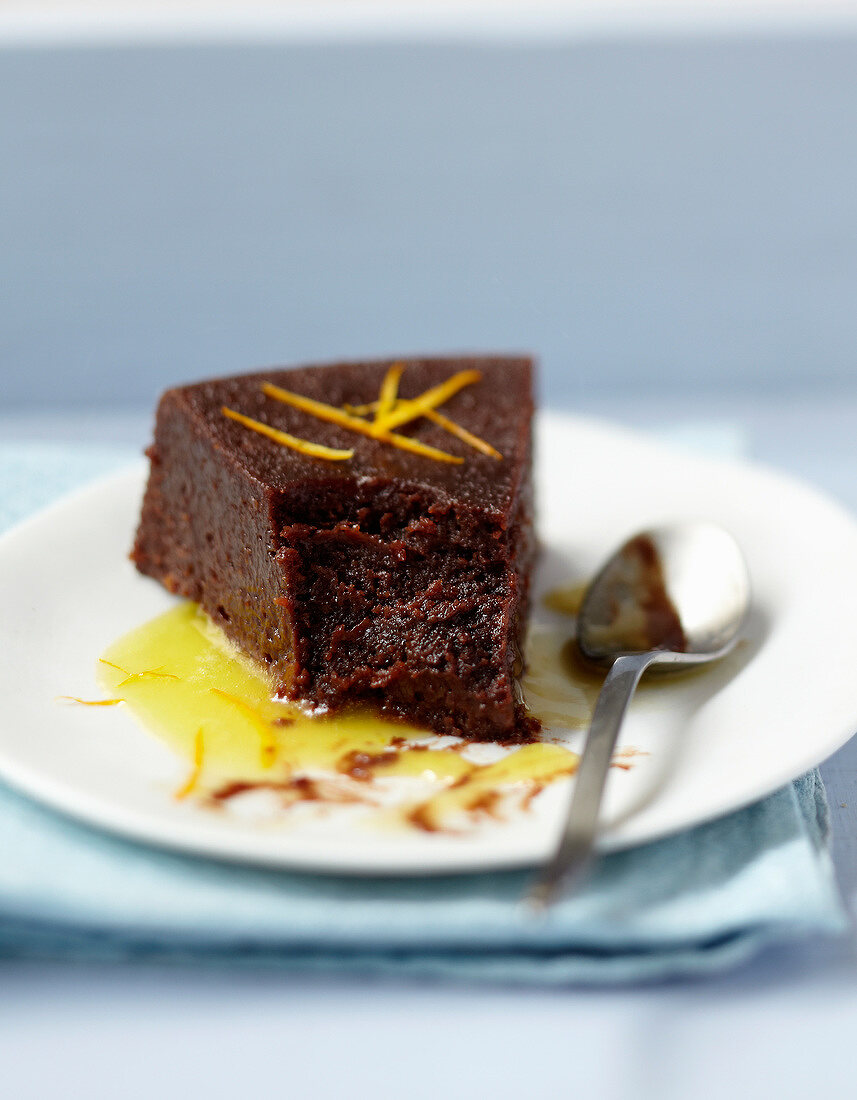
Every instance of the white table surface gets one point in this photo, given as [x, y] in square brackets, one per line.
[781, 1026]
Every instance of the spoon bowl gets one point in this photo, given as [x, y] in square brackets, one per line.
[671, 596]
[681, 590]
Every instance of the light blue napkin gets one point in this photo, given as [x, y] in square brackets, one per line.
[693, 903]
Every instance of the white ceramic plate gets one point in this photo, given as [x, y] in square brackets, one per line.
[712, 743]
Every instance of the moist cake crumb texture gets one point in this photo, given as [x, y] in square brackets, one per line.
[391, 579]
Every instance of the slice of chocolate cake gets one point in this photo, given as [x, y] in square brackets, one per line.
[389, 577]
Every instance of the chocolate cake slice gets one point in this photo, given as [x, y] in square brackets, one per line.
[391, 579]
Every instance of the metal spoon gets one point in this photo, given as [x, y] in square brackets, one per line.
[673, 596]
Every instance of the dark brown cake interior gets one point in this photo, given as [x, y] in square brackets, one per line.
[392, 579]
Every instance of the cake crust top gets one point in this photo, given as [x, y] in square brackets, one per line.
[498, 408]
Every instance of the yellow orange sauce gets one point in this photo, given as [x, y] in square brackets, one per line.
[185, 684]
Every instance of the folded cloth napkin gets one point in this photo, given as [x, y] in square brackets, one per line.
[692, 903]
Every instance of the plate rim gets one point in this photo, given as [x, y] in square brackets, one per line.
[144, 828]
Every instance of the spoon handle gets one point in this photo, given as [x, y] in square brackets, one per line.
[581, 822]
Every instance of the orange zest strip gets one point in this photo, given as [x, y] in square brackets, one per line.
[110, 664]
[268, 750]
[405, 443]
[133, 677]
[442, 421]
[462, 433]
[318, 408]
[345, 420]
[198, 757]
[304, 446]
[389, 390]
[91, 702]
[406, 411]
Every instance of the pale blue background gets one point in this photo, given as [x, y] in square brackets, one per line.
[646, 215]
[670, 224]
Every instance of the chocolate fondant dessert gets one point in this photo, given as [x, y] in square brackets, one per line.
[378, 575]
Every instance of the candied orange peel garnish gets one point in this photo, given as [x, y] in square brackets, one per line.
[345, 420]
[110, 664]
[318, 408]
[389, 390]
[268, 745]
[133, 677]
[390, 411]
[198, 757]
[304, 446]
[462, 433]
[407, 410]
[91, 702]
[442, 421]
[405, 443]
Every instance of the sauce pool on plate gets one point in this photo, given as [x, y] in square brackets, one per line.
[185, 684]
